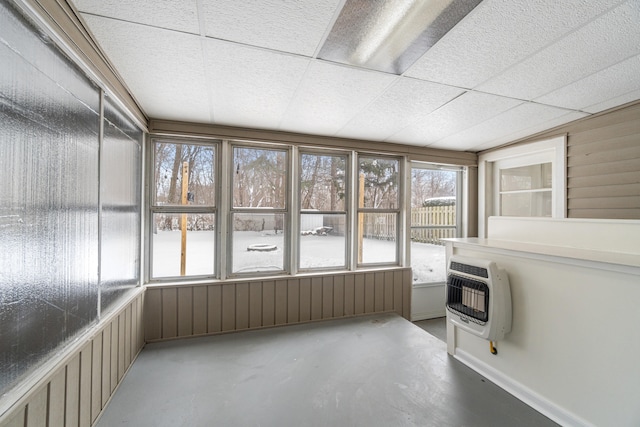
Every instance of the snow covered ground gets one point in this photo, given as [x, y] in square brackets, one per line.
[428, 261]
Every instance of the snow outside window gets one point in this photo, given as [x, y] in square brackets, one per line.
[323, 214]
[378, 210]
[259, 210]
[183, 217]
[435, 215]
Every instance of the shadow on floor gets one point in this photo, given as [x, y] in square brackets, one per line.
[436, 327]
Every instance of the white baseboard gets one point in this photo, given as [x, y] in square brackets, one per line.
[427, 315]
[528, 396]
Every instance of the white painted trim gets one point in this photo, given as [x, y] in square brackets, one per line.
[525, 149]
[429, 285]
[555, 148]
[556, 413]
[616, 262]
[415, 317]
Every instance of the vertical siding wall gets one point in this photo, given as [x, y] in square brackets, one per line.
[604, 166]
[75, 392]
[182, 311]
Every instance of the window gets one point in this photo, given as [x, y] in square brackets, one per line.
[120, 182]
[183, 213]
[525, 190]
[435, 214]
[378, 210]
[323, 211]
[69, 202]
[523, 180]
[259, 213]
[224, 209]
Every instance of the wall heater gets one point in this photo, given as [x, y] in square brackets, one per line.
[479, 297]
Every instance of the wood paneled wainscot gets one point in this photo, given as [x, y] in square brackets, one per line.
[187, 310]
[76, 384]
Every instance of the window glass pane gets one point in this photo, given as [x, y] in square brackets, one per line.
[378, 238]
[322, 240]
[433, 217]
[49, 126]
[193, 162]
[258, 242]
[167, 237]
[526, 204]
[259, 178]
[120, 176]
[530, 177]
[322, 183]
[379, 179]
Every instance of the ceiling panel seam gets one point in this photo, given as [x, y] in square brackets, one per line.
[233, 42]
[295, 95]
[422, 118]
[610, 66]
[203, 50]
[366, 107]
[551, 43]
[127, 21]
[329, 27]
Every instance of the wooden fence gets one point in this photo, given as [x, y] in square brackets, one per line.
[439, 223]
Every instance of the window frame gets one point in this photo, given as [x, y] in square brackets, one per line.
[399, 211]
[460, 207]
[224, 210]
[231, 210]
[154, 208]
[347, 205]
[512, 163]
[552, 150]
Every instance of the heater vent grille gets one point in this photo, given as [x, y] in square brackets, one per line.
[469, 269]
[478, 297]
[468, 298]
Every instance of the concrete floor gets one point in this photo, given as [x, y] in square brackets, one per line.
[367, 371]
[436, 327]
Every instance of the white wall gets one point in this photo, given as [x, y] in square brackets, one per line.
[573, 350]
[427, 301]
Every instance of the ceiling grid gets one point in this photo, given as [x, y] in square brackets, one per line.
[507, 70]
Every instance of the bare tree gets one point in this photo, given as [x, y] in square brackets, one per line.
[380, 182]
[429, 183]
[260, 178]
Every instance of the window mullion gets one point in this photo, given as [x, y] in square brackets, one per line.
[224, 217]
[294, 211]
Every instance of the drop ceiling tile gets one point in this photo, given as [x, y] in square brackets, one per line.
[614, 102]
[498, 34]
[401, 104]
[462, 113]
[180, 15]
[524, 119]
[598, 88]
[296, 27]
[330, 95]
[541, 127]
[251, 86]
[605, 41]
[163, 69]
